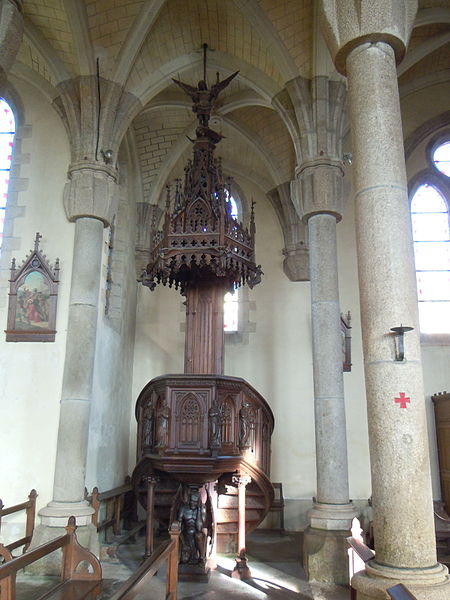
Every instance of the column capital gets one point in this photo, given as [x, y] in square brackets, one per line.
[349, 23]
[318, 188]
[91, 192]
[296, 262]
[150, 479]
[241, 481]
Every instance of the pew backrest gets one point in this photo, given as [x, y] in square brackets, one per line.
[81, 572]
[30, 507]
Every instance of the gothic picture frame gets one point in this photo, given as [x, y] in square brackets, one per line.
[33, 295]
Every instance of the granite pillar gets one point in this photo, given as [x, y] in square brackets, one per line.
[400, 467]
[90, 201]
[366, 45]
[325, 557]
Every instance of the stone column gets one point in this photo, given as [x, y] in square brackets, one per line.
[90, 201]
[401, 484]
[330, 519]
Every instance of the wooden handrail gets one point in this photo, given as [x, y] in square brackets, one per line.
[30, 507]
[167, 551]
[117, 491]
[114, 499]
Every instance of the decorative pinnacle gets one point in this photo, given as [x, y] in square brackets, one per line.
[36, 240]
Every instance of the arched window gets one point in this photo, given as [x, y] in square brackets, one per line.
[231, 300]
[7, 131]
[431, 234]
[441, 158]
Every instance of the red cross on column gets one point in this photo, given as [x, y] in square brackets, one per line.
[403, 400]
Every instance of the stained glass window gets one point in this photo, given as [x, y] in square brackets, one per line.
[441, 158]
[431, 234]
[7, 131]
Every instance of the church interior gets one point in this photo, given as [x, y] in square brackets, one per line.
[225, 264]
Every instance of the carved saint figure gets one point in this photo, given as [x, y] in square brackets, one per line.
[215, 426]
[203, 98]
[147, 426]
[162, 425]
[192, 517]
[244, 425]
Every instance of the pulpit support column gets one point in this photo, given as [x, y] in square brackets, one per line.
[241, 570]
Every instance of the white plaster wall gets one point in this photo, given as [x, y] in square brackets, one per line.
[435, 348]
[32, 372]
[277, 360]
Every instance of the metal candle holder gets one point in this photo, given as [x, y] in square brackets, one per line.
[399, 341]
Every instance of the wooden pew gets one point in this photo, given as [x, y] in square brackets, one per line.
[76, 583]
[30, 507]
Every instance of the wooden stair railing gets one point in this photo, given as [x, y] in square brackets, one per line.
[30, 507]
[168, 551]
[119, 506]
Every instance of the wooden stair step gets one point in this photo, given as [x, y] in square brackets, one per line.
[231, 502]
[250, 515]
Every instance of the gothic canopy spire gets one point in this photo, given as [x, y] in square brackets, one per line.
[200, 240]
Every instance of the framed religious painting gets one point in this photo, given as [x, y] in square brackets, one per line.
[33, 294]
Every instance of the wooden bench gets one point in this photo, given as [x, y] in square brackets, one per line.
[119, 508]
[78, 581]
[30, 507]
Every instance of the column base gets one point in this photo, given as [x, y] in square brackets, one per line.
[325, 557]
[241, 569]
[431, 583]
[332, 517]
[54, 519]
[56, 514]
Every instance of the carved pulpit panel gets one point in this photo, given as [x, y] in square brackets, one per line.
[227, 411]
[192, 421]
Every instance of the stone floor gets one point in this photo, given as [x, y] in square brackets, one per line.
[275, 562]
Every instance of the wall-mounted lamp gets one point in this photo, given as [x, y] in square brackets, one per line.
[107, 156]
[398, 340]
[347, 158]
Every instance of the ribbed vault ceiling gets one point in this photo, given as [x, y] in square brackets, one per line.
[141, 45]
